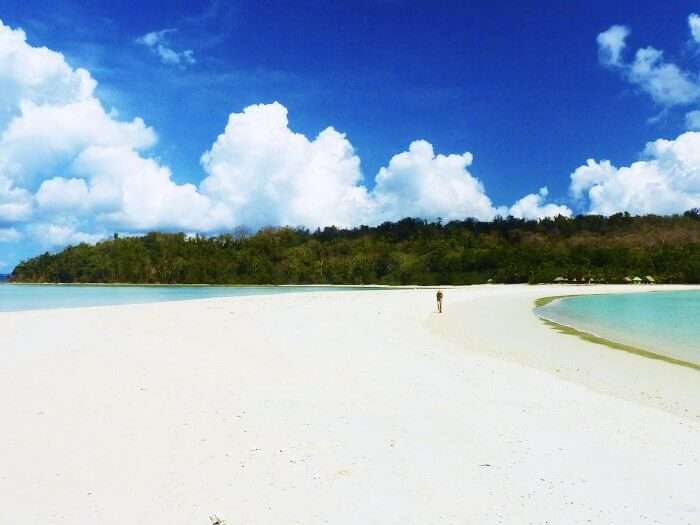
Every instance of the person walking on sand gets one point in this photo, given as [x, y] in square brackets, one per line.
[439, 300]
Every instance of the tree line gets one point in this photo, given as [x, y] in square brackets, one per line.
[410, 251]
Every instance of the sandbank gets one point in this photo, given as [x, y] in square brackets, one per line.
[339, 408]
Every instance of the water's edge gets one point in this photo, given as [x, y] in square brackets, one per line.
[95, 296]
[593, 338]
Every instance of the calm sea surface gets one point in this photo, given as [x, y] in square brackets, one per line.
[35, 297]
[664, 322]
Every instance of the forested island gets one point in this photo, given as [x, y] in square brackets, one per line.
[410, 251]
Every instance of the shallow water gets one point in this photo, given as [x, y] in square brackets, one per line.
[667, 323]
[15, 297]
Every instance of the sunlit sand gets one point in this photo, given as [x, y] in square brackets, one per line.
[339, 408]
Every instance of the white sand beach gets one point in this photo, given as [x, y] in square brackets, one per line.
[341, 408]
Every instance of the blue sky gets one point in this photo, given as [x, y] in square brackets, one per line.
[520, 85]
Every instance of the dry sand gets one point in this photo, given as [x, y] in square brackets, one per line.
[342, 408]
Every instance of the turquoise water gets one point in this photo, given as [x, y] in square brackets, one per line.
[667, 323]
[15, 297]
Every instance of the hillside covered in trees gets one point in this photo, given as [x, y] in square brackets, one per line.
[410, 251]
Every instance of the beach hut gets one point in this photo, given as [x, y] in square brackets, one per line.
[560, 279]
[490, 281]
[627, 279]
[649, 279]
[636, 279]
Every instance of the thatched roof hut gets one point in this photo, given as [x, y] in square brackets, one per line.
[649, 279]
[560, 279]
[637, 279]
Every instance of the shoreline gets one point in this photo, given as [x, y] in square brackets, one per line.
[576, 359]
[184, 285]
[641, 288]
[594, 338]
[340, 408]
[165, 300]
[616, 345]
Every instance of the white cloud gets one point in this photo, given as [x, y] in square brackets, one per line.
[666, 181]
[533, 206]
[9, 235]
[157, 42]
[72, 171]
[62, 194]
[263, 173]
[72, 167]
[611, 44]
[52, 235]
[266, 174]
[37, 75]
[419, 183]
[589, 175]
[81, 124]
[667, 84]
[131, 192]
[694, 24]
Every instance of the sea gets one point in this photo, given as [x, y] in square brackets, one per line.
[666, 323]
[17, 297]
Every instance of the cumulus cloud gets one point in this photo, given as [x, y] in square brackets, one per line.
[419, 183]
[81, 124]
[72, 168]
[60, 193]
[73, 171]
[266, 174]
[36, 74]
[666, 181]
[534, 206]
[51, 235]
[128, 191]
[157, 43]
[666, 83]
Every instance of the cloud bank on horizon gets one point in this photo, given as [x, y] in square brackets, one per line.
[96, 176]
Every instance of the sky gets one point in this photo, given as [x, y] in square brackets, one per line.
[204, 116]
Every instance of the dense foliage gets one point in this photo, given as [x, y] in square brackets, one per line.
[410, 251]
